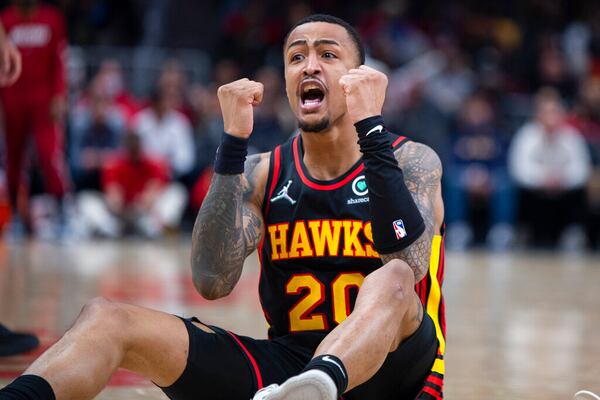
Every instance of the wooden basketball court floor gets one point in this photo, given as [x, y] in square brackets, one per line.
[520, 325]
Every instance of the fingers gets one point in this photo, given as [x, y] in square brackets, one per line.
[353, 78]
[15, 64]
[237, 100]
[10, 65]
[258, 94]
[345, 83]
[244, 90]
[4, 66]
[360, 75]
[4, 60]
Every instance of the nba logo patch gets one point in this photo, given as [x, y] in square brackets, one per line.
[399, 229]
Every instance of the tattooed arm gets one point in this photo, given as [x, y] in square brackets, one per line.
[422, 171]
[228, 228]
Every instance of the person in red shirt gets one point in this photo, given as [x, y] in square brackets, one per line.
[12, 343]
[34, 105]
[138, 197]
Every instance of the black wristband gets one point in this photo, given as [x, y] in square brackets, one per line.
[395, 218]
[231, 155]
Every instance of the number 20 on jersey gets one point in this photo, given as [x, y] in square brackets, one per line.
[301, 315]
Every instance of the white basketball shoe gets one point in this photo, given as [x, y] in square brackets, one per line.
[586, 395]
[309, 385]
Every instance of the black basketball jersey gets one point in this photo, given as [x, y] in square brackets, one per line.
[318, 244]
[317, 250]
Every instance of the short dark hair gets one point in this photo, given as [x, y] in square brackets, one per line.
[337, 21]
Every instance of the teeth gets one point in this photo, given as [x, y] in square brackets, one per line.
[310, 86]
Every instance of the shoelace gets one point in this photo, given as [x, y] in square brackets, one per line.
[586, 395]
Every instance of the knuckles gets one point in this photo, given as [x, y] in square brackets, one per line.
[240, 88]
[361, 77]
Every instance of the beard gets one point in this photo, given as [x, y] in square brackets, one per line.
[314, 127]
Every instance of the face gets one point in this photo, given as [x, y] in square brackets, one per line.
[132, 146]
[550, 114]
[316, 55]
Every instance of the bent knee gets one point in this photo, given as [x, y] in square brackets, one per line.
[103, 312]
[395, 279]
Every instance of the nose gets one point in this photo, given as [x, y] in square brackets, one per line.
[312, 66]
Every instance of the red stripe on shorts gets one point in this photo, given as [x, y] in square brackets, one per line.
[259, 381]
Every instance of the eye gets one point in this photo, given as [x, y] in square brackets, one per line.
[296, 57]
[329, 54]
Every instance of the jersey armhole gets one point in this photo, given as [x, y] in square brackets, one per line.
[274, 169]
[399, 141]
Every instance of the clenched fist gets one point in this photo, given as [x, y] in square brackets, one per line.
[237, 100]
[364, 88]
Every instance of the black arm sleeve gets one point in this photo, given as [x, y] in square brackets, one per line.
[395, 218]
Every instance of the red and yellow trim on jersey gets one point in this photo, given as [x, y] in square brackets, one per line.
[430, 292]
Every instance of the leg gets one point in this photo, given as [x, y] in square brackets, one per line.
[107, 336]
[48, 136]
[15, 136]
[387, 311]
[165, 212]
[500, 235]
[456, 196]
[456, 205]
[95, 216]
[170, 205]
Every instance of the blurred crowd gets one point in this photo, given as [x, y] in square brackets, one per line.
[508, 95]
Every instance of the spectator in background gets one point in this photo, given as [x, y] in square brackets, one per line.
[110, 77]
[166, 133]
[586, 119]
[390, 36]
[450, 88]
[552, 68]
[137, 196]
[96, 131]
[172, 84]
[225, 71]
[477, 172]
[270, 125]
[208, 130]
[35, 105]
[208, 125]
[208, 122]
[420, 119]
[550, 163]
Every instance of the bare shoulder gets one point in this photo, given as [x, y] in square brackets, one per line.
[256, 172]
[419, 162]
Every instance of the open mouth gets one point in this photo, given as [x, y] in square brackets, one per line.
[312, 94]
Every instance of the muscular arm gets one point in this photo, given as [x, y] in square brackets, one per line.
[422, 170]
[228, 228]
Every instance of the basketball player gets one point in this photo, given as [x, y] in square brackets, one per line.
[12, 343]
[34, 106]
[344, 231]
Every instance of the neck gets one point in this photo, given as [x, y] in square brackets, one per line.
[160, 112]
[329, 154]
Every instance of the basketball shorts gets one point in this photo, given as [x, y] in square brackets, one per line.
[225, 366]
